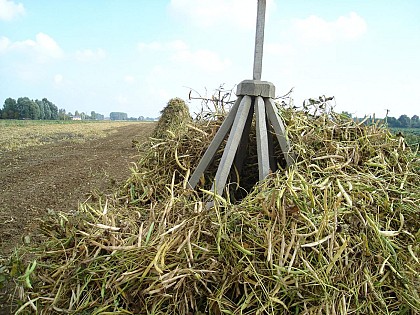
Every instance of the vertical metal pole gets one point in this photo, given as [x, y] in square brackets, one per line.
[259, 40]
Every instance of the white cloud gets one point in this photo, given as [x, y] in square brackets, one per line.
[150, 46]
[9, 10]
[207, 13]
[58, 79]
[180, 53]
[43, 47]
[177, 45]
[204, 59]
[90, 55]
[129, 79]
[4, 44]
[315, 29]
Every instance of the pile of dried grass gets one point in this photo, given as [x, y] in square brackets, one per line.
[173, 118]
[337, 233]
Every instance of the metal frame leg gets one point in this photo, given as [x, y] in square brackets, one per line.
[232, 145]
[262, 138]
[279, 129]
[241, 154]
[214, 145]
[273, 160]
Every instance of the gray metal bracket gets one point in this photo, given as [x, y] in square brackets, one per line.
[238, 123]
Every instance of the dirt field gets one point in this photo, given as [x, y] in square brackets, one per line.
[58, 175]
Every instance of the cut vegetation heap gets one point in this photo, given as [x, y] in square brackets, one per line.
[336, 233]
[173, 118]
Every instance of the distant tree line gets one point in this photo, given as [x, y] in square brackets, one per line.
[142, 118]
[403, 121]
[83, 116]
[124, 116]
[25, 108]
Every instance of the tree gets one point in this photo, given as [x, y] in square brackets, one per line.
[53, 109]
[10, 110]
[34, 111]
[62, 114]
[41, 109]
[46, 111]
[27, 108]
[404, 121]
[393, 122]
[98, 116]
[415, 123]
[118, 116]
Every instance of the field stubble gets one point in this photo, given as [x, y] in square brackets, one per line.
[18, 134]
[52, 166]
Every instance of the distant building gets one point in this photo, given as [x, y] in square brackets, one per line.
[118, 116]
[97, 116]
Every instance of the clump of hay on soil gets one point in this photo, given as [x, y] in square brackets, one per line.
[337, 233]
[173, 118]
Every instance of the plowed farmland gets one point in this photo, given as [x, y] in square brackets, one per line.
[56, 167]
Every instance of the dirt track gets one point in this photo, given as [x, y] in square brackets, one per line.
[59, 175]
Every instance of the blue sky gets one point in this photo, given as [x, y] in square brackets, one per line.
[134, 55]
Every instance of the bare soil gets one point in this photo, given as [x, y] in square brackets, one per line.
[58, 176]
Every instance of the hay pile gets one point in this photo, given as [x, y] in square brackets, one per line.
[173, 118]
[337, 233]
